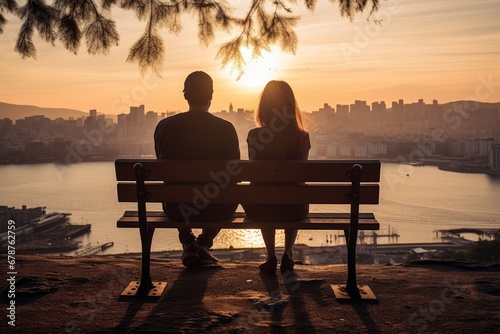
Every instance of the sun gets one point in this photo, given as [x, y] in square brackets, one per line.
[258, 71]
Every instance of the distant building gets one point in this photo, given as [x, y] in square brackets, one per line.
[20, 216]
[34, 150]
[495, 158]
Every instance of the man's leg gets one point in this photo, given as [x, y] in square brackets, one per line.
[190, 255]
[186, 236]
[207, 236]
[206, 241]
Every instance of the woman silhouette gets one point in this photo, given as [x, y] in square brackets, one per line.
[280, 135]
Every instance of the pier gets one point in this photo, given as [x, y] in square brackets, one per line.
[48, 234]
[93, 249]
[456, 232]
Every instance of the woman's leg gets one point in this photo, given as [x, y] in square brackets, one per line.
[290, 236]
[271, 262]
[269, 240]
[287, 262]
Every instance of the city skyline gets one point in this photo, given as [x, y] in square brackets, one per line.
[446, 51]
[377, 104]
[354, 130]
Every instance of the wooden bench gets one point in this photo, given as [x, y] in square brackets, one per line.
[344, 182]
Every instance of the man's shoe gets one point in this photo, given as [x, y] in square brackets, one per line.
[206, 257]
[190, 255]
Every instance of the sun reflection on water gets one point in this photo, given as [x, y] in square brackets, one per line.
[239, 239]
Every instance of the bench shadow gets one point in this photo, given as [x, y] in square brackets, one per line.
[180, 309]
[364, 314]
[295, 289]
[275, 305]
[132, 310]
[321, 294]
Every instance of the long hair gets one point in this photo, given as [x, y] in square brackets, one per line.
[278, 104]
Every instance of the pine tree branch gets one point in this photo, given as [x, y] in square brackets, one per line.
[72, 19]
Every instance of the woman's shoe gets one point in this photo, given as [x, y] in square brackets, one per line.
[269, 266]
[287, 263]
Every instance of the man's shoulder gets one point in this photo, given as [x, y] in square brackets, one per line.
[188, 116]
[219, 121]
[175, 117]
[172, 120]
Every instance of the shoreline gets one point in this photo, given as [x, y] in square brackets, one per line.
[311, 255]
[449, 164]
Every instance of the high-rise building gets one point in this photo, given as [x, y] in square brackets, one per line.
[495, 158]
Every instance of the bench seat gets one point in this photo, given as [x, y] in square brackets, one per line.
[315, 221]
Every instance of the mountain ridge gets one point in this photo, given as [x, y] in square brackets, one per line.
[16, 111]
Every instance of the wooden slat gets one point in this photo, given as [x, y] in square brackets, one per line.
[323, 215]
[336, 221]
[251, 194]
[244, 170]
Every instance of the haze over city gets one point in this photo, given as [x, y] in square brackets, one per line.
[446, 50]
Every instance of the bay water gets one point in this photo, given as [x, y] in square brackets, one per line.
[414, 202]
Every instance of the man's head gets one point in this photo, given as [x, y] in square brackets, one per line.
[198, 88]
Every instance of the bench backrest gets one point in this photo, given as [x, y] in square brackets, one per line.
[243, 181]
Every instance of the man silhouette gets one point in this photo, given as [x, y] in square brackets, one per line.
[194, 135]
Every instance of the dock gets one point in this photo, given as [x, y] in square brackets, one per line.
[481, 232]
[90, 249]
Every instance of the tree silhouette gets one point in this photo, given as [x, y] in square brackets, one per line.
[266, 23]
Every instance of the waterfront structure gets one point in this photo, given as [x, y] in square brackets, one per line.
[37, 232]
[21, 216]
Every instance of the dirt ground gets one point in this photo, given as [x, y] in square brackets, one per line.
[81, 295]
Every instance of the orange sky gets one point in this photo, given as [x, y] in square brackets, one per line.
[446, 50]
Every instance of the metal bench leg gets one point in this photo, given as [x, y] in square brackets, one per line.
[146, 238]
[351, 290]
[145, 287]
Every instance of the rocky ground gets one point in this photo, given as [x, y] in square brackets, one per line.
[81, 295]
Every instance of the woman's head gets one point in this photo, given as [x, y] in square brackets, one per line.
[278, 106]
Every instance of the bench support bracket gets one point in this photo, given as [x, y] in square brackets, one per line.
[132, 290]
[363, 292]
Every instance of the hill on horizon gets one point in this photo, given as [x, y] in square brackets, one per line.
[464, 104]
[15, 112]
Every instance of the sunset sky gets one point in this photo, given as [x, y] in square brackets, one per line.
[446, 50]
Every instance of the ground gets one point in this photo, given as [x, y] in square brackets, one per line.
[81, 295]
